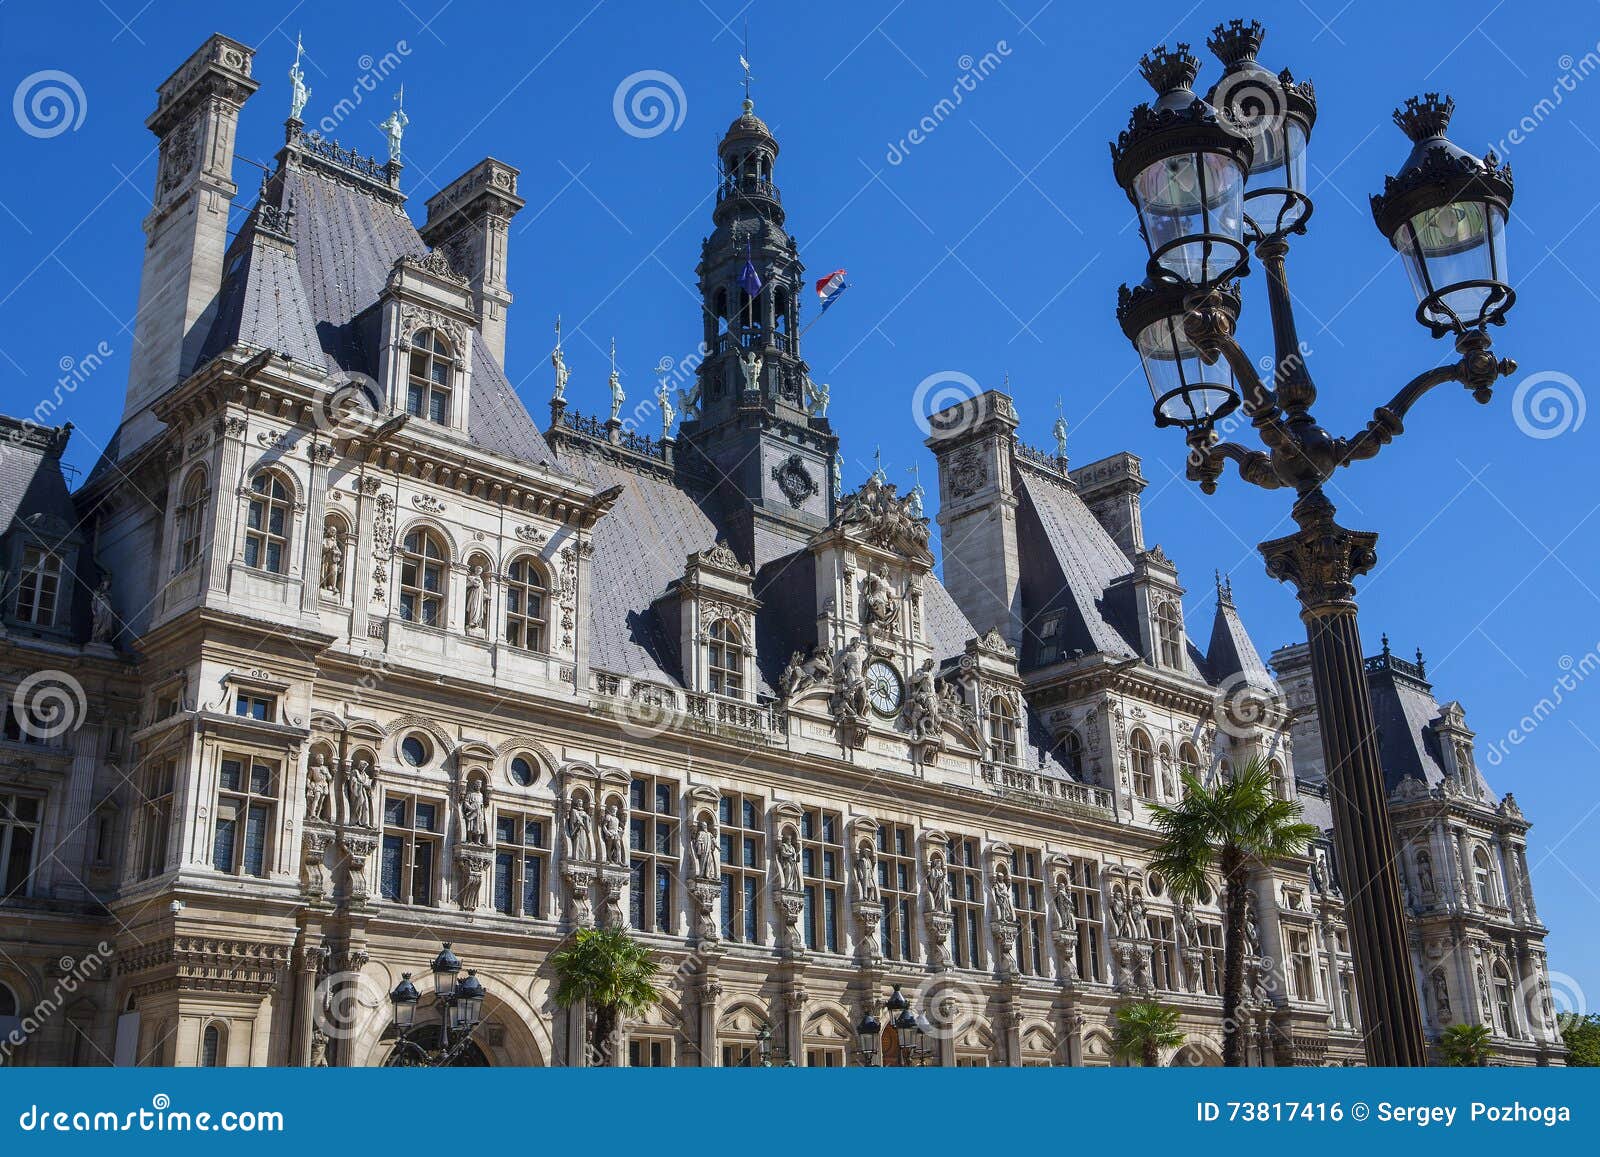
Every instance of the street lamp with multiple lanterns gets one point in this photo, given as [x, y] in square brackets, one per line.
[1210, 180]
[910, 1035]
[459, 1000]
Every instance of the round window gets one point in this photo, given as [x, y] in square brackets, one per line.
[522, 773]
[415, 750]
[1157, 884]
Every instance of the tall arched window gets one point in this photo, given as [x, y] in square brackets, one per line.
[1188, 760]
[423, 565]
[1002, 731]
[191, 519]
[1144, 766]
[1072, 754]
[1280, 781]
[526, 592]
[1483, 873]
[725, 659]
[213, 1047]
[1502, 1002]
[431, 377]
[266, 523]
[1169, 635]
[38, 587]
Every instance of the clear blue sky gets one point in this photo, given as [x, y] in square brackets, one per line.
[993, 247]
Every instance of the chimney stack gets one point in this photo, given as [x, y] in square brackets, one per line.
[196, 120]
[470, 219]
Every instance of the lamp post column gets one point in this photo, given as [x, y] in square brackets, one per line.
[1321, 560]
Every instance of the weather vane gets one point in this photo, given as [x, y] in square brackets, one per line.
[744, 63]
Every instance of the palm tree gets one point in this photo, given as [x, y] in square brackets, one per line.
[1466, 1045]
[1144, 1028]
[1230, 828]
[613, 974]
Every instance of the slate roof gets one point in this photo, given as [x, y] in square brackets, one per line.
[346, 241]
[1403, 707]
[31, 482]
[1231, 653]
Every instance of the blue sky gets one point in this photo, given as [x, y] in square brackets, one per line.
[991, 248]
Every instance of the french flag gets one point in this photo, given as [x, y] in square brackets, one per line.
[830, 288]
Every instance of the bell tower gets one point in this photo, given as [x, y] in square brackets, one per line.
[749, 427]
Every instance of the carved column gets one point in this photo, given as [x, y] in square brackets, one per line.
[321, 454]
[1322, 559]
[580, 880]
[228, 490]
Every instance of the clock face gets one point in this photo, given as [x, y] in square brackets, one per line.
[883, 688]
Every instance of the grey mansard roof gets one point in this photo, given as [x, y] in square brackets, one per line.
[346, 241]
[1403, 706]
[32, 486]
[1231, 654]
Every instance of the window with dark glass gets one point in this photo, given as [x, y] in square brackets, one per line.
[967, 901]
[20, 816]
[526, 595]
[1002, 731]
[251, 705]
[423, 563]
[266, 524]
[897, 884]
[155, 790]
[1027, 897]
[520, 859]
[38, 587]
[191, 519]
[653, 853]
[725, 652]
[822, 878]
[429, 379]
[246, 796]
[411, 833]
[743, 867]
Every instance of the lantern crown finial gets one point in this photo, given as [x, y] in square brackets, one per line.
[1425, 116]
[1236, 41]
[1168, 71]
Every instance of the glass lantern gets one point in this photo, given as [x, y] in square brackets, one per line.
[1187, 392]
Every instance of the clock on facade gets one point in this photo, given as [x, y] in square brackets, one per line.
[884, 691]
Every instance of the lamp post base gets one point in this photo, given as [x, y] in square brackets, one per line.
[1321, 560]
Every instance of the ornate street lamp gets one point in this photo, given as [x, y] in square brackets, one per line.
[460, 1004]
[869, 1033]
[1445, 212]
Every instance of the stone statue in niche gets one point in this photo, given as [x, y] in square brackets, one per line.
[103, 624]
[867, 872]
[477, 600]
[938, 884]
[1066, 913]
[1252, 928]
[319, 1049]
[879, 599]
[358, 783]
[802, 672]
[789, 863]
[922, 703]
[580, 831]
[319, 787]
[1136, 910]
[706, 859]
[612, 837]
[1425, 875]
[750, 369]
[475, 813]
[1121, 919]
[332, 561]
[1004, 907]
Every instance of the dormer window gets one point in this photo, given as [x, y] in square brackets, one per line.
[1002, 732]
[266, 535]
[191, 519]
[1169, 635]
[1144, 766]
[430, 378]
[38, 587]
[725, 659]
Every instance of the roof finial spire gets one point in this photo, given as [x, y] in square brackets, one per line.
[744, 63]
[914, 498]
[878, 475]
[1059, 430]
[1422, 666]
[1386, 644]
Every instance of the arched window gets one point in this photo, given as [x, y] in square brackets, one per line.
[1280, 782]
[8, 1001]
[1188, 760]
[1502, 1002]
[1483, 872]
[526, 594]
[1169, 635]
[431, 377]
[725, 659]
[1072, 754]
[191, 519]
[1144, 766]
[1002, 731]
[423, 566]
[266, 523]
[213, 1047]
[38, 587]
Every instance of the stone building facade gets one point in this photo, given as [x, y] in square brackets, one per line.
[337, 655]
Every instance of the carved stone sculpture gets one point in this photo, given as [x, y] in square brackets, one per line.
[867, 872]
[580, 832]
[358, 784]
[470, 872]
[789, 863]
[849, 677]
[1066, 911]
[612, 837]
[923, 703]
[474, 813]
[1004, 907]
[104, 620]
[477, 600]
[332, 561]
[938, 877]
[707, 858]
[319, 788]
[879, 601]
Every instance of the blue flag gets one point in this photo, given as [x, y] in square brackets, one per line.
[749, 279]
